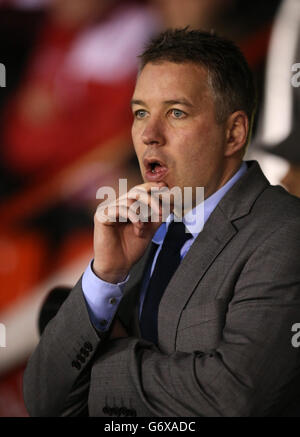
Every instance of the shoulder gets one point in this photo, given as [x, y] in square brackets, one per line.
[275, 203]
[261, 212]
[255, 197]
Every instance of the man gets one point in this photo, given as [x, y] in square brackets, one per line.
[213, 337]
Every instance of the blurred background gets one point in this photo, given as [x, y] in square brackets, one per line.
[65, 131]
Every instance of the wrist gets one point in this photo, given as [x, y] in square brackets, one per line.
[112, 277]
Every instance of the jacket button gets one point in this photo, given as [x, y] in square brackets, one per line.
[123, 411]
[76, 364]
[80, 358]
[132, 412]
[88, 346]
[115, 411]
[84, 352]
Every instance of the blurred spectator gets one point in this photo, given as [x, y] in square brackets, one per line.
[279, 129]
[24, 4]
[193, 13]
[18, 29]
[74, 96]
[66, 131]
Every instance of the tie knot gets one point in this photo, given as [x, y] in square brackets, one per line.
[176, 235]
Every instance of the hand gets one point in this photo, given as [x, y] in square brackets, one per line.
[119, 245]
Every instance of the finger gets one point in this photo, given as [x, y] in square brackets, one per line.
[149, 194]
[120, 214]
[112, 214]
[147, 204]
[148, 185]
[103, 209]
[139, 209]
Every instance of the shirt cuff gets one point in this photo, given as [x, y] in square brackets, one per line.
[102, 298]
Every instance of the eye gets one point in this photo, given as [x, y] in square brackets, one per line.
[177, 113]
[140, 114]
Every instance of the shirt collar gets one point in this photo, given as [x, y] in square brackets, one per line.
[195, 219]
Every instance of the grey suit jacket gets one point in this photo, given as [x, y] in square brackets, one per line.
[224, 326]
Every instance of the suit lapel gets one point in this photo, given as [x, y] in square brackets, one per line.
[216, 234]
[210, 242]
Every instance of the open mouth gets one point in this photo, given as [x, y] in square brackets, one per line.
[155, 169]
[153, 164]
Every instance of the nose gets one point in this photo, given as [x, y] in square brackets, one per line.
[153, 133]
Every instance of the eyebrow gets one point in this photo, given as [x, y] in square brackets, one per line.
[181, 101]
[137, 102]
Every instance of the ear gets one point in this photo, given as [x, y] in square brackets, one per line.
[237, 127]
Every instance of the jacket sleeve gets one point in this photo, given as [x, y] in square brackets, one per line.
[254, 371]
[56, 379]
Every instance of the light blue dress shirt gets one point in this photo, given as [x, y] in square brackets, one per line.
[103, 298]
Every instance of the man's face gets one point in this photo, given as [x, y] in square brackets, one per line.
[175, 126]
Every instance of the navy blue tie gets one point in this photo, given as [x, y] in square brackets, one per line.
[166, 264]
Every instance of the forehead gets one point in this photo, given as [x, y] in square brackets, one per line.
[168, 80]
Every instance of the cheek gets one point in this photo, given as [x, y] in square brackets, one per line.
[197, 154]
[137, 130]
[137, 144]
[192, 146]
[134, 133]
